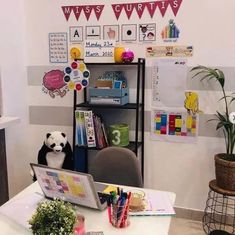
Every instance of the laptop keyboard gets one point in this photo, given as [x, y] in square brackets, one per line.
[103, 197]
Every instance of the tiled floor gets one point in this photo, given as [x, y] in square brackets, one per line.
[185, 227]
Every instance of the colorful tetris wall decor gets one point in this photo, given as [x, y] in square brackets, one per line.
[177, 124]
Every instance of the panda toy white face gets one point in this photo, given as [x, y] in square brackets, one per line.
[56, 141]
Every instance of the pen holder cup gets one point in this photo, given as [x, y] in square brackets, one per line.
[120, 216]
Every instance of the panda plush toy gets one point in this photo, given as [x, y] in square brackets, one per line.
[56, 151]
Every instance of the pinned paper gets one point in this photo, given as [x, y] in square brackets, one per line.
[191, 102]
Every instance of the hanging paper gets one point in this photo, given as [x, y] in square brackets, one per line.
[169, 82]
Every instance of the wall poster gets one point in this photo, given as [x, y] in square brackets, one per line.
[58, 48]
[174, 125]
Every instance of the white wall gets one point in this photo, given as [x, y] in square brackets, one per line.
[183, 168]
[14, 92]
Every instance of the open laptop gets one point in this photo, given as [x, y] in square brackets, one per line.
[75, 187]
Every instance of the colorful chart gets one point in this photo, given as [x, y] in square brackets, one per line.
[58, 182]
[160, 124]
[175, 124]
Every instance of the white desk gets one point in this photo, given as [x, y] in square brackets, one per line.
[4, 123]
[96, 220]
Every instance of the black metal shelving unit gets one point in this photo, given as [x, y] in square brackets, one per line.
[138, 107]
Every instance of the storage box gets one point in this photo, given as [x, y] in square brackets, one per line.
[111, 92]
[109, 100]
[108, 96]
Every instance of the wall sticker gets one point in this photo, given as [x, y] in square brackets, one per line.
[170, 33]
[53, 83]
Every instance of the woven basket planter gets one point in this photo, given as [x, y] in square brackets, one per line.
[225, 172]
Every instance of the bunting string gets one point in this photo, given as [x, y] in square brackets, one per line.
[128, 8]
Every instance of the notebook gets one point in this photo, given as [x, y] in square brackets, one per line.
[75, 187]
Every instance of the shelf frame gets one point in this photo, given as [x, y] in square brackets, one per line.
[138, 106]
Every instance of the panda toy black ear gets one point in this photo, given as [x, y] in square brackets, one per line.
[63, 134]
[48, 135]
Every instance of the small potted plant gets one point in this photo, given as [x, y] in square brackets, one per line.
[224, 162]
[53, 218]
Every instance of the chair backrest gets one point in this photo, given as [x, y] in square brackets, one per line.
[117, 165]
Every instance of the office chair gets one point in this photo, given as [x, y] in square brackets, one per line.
[117, 165]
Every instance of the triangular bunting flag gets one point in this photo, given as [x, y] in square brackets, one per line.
[77, 11]
[139, 7]
[87, 10]
[151, 6]
[117, 8]
[175, 5]
[129, 7]
[98, 10]
[67, 11]
[162, 5]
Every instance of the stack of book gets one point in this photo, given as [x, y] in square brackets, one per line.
[90, 129]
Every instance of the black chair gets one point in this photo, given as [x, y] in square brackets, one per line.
[117, 165]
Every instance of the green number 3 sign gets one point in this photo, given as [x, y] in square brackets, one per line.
[116, 137]
[119, 134]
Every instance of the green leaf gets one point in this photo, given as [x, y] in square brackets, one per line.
[219, 125]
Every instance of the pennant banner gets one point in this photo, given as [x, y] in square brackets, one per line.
[162, 5]
[67, 11]
[77, 11]
[139, 7]
[117, 9]
[98, 10]
[87, 9]
[151, 7]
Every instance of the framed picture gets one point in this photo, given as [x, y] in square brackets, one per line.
[129, 32]
[93, 32]
[147, 32]
[111, 32]
[76, 34]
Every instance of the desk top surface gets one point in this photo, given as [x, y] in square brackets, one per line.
[8, 121]
[94, 220]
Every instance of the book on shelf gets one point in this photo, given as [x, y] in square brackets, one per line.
[100, 132]
[90, 129]
[80, 138]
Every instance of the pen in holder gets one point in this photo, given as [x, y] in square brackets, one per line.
[118, 209]
[120, 216]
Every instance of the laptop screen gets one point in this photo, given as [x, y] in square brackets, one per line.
[74, 187]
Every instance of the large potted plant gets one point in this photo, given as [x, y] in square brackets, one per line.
[224, 162]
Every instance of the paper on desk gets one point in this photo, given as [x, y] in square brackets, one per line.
[156, 203]
[21, 210]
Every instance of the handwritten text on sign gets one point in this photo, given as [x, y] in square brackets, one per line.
[95, 49]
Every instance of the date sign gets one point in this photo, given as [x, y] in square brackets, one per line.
[99, 50]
